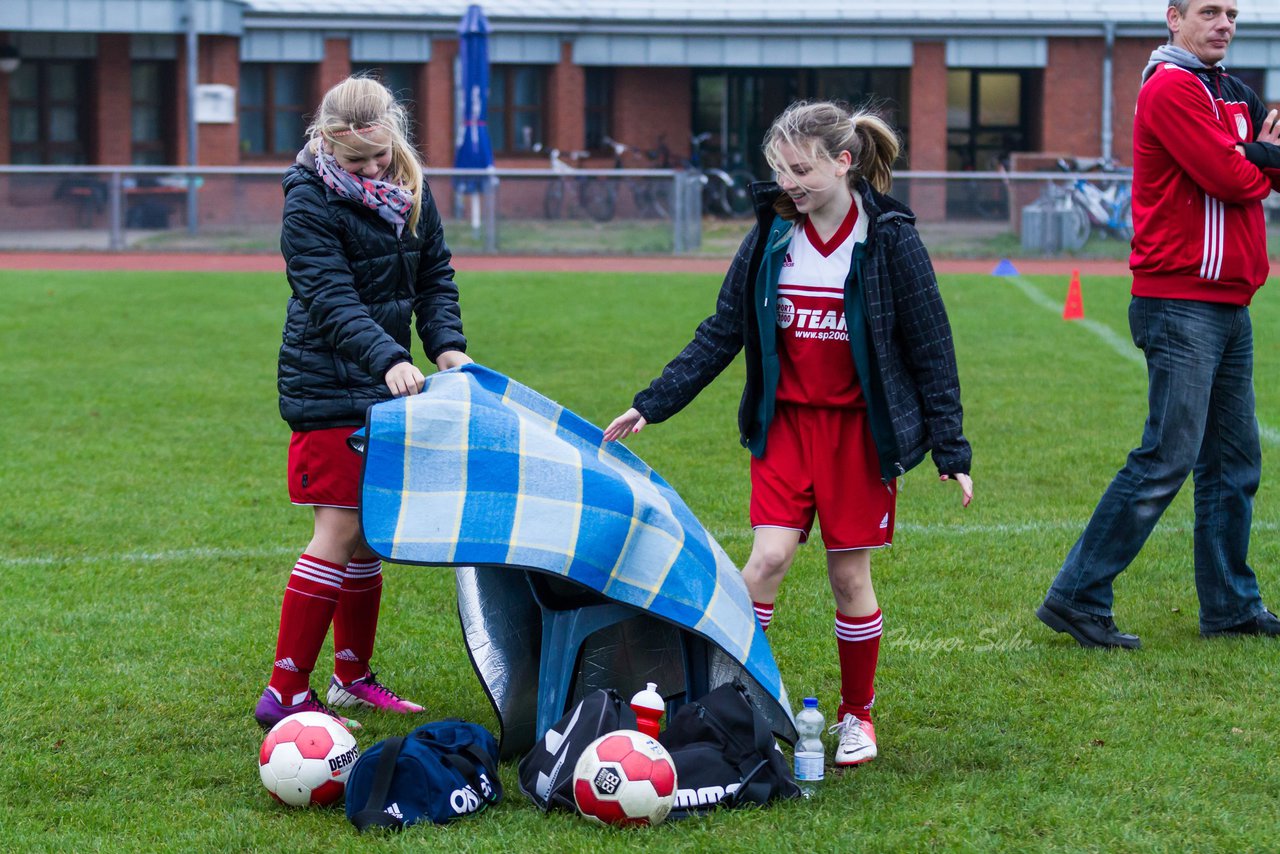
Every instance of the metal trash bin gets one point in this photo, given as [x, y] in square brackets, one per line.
[1052, 225]
[1036, 232]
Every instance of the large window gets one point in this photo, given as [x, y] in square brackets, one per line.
[151, 115]
[273, 107]
[731, 112]
[735, 108]
[989, 115]
[599, 103]
[516, 105]
[47, 120]
[885, 91]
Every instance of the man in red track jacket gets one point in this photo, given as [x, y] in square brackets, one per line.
[1205, 154]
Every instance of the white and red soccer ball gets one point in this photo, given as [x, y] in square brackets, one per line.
[625, 778]
[306, 758]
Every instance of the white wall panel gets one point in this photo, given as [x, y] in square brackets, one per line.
[222, 17]
[997, 52]
[743, 51]
[1254, 53]
[524, 48]
[382, 46]
[282, 46]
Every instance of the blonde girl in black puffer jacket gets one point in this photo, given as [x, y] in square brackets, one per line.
[365, 251]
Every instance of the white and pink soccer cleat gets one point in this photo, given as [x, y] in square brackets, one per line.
[857, 741]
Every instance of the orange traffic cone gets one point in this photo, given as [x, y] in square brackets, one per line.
[1073, 309]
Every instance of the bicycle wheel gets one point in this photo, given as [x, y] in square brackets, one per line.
[715, 199]
[652, 197]
[599, 198]
[553, 201]
[1124, 218]
[738, 197]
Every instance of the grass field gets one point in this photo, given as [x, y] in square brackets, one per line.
[146, 538]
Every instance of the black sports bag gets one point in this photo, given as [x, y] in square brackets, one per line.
[725, 754]
[546, 772]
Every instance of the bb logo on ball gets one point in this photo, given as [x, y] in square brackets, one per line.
[624, 778]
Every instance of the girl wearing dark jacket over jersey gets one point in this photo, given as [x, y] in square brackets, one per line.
[364, 251]
[851, 375]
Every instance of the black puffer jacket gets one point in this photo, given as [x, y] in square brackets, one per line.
[355, 285]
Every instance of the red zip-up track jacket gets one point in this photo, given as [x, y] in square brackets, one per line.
[1199, 227]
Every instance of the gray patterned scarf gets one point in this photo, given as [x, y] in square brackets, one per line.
[391, 201]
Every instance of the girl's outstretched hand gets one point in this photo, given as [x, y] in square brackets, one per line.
[404, 378]
[630, 421]
[452, 359]
[966, 486]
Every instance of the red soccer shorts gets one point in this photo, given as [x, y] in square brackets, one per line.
[323, 470]
[821, 460]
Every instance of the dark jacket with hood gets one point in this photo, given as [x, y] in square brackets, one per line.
[355, 285]
[905, 358]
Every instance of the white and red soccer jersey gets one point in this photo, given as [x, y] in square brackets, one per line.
[816, 362]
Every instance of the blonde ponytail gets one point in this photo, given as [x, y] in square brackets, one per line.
[826, 128]
[880, 147]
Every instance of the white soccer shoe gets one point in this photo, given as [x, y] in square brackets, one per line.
[857, 741]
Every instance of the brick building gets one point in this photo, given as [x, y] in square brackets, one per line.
[968, 82]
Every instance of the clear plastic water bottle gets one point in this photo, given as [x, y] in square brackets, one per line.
[810, 754]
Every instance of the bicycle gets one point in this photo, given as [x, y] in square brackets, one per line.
[652, 196]
[1109, 207]
[738, 194]
[596, 196]
[719, 197]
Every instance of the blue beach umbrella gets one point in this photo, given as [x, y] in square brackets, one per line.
[474, 148]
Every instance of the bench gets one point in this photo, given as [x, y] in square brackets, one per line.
[148, 205]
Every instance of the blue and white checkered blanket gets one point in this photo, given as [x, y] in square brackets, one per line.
[480, 470]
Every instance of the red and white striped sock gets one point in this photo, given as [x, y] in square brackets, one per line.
[310, 598]
[858, 644]
[355, 623]
[764, 614]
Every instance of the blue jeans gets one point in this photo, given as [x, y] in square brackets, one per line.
[1200, 419]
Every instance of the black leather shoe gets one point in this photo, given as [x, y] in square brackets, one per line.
[1265, 623]
[1088, 629]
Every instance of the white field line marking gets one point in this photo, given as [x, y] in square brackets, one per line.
[170, 556]
[999, 528]
[1114, 340]
[721, 534]
[1123, 346]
